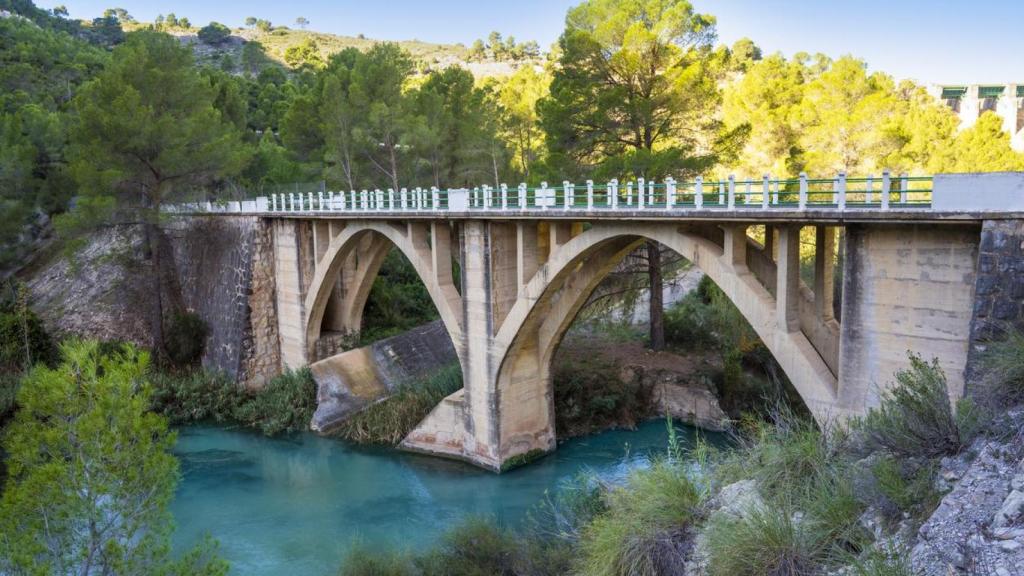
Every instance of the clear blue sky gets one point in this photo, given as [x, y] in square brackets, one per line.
[932, 41]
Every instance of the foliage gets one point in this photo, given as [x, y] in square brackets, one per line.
[390, 421]
[361, 561]
[647, 518]
[305, 54]
[917, 418]
[186, 338]
[770, 540]
[476, 547]
[1003, 368]
[398, 300]
[905, 487]
[90, 474]
[214, 33]
[283, 405]
[590, 395]
[24, 341]
[635, 90]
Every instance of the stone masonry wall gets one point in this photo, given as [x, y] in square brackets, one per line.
[999, 291]
[261, 351]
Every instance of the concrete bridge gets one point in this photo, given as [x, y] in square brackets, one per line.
[929, 265]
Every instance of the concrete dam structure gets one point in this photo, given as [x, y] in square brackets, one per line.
[928, 265]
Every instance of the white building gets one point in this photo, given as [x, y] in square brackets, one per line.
[969, 102]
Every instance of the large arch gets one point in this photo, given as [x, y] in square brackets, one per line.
[533, 329]
[426, 246]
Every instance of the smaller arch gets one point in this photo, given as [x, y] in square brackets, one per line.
[412, 243]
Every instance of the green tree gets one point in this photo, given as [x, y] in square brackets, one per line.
[90, 473]
[250, 21]
[338, 119]
[744, 51]
[377, 98]
[214, 33]
[302, 22]
[520, 124]
[254, 57]
[478, 51]
[984, 147]
[146, 132]
[306, 53]
[635, 94]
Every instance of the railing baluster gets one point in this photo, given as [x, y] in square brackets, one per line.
[698, 193]
[670, 192]
[504, 196]
[803, 191]
[522, 195]
[613, 193]
[590, 194]
[886, 184]
[904, 188]
[568, 198]
[640, 193]
[732, 192]
[841, 190]
[765, 190]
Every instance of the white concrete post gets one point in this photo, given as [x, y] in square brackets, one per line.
[670, 192]
[473, 201]
[403, 198]
[721, 193]
[504, 196]
[273, 202]
[485, 195]
[320, 200]
[886, 182]
[613, 193]
[904, 186]
[391, 199]
[309, 206]
[640, 193]
[301, 202]
[869, 194]
[352, 205]
[803, 190]
[544, 190]
[380, 199]
[568, 195]
[732, 192]
[590, 194]
[364, 200]
[698, 193]
[746, 193]
[341, 196]
[523, 193]
[330, 201]
[765, 191]
[650, 193]
[841, 190]
[629, 193]
[435, 194]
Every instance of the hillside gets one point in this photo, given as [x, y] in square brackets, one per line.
[277, 41]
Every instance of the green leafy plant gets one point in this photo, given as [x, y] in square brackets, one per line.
[916, 417]
[771, 540]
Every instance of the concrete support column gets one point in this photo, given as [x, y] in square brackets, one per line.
[735, 246]
[481, 427]
[824, 266]
[561, 232]
[527, 256]
[787, 284]
[504, 270]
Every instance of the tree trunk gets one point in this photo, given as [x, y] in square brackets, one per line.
[157, 321]
[657, 307]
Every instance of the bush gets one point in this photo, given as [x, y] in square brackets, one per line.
[916, 417]
[769, 541]
[285, 404]
[1002, 367]
[474, 548]
[905, 487]
[591, 395]
[883, 562]
[363, 562]
[646, 530]
[214, 33]
[185, 338]
[390, 421]
[24, 341]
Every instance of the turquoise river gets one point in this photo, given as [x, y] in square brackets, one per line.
[295, 505]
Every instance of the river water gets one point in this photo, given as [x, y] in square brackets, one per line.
[295, 505]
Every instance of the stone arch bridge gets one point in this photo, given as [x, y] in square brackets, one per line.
[925, 265]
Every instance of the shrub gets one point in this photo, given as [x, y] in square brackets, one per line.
[185, 338]
[769, 541]
[285, 404]
[646, 530]
[1002, 368]
[390, 421]
[916, 417]
[890, 561]
[363, 562]
[905, 487]
[590, 395]
[24, 341]
[475, 547]
[214, 33]
[194, 396]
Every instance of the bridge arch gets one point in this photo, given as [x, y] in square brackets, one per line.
[533, 329]
[361, 247]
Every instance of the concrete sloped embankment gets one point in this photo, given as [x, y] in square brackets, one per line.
[353, 380]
